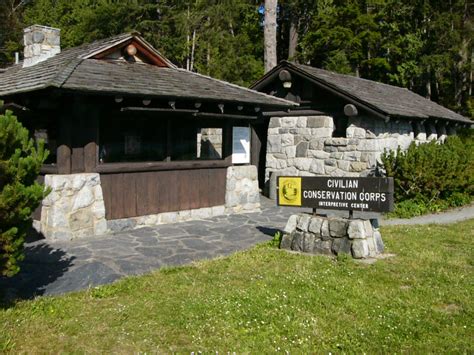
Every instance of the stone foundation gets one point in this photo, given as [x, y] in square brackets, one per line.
[74, 208]
[242, 193]
[332, 236]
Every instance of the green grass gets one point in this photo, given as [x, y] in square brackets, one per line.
[265, 300]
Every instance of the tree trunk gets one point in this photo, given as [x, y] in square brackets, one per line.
[193, 47]
[293, 42]
[270, 35]
[428, 84]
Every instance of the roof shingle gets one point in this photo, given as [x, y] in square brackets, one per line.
[387, 99]
[72, 70]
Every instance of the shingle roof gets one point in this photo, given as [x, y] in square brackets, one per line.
[387, 99]
[71, 69]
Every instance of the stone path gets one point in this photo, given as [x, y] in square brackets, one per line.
[451, 216]
[58, 267]
[54, 268]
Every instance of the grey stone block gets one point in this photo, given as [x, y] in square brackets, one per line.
[356, 229]
[316, 144]
[330, 162]
[338, 227]
[303, 222]
[322, 247]
[298, 240]
[378, 242]
[325, 229]
[274, 122]
[301, 149]
[360, 249]
[317, 167]
[286, 241]
[274, 144]
[291, 224]
[308, 242]
[315, 225]
[341, 246]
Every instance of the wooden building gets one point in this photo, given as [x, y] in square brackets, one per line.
[343, 123]
[134, 140]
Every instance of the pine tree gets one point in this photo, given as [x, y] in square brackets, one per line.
[20, 194]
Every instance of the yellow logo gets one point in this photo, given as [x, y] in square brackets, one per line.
[289, 191]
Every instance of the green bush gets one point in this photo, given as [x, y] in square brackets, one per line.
[20, 194]
[432, 177]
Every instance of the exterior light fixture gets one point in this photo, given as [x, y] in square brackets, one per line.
[285, 78]
[131, 50]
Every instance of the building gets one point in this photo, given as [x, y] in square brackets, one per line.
[342, 124]
[134, 140]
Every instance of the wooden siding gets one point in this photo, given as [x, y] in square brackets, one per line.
[144, 193]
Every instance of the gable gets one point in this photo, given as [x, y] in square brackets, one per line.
[134, 50]
[380, 99]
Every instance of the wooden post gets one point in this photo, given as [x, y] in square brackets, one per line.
[63, 151]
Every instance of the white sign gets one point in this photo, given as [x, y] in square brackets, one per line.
[241, 145]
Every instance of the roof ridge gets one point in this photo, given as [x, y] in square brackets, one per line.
[236, 86]
[349, 76]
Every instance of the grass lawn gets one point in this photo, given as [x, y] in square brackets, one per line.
[266, 300]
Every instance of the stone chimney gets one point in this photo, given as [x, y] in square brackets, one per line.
[41, 43]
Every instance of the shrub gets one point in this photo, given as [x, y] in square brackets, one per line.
[431, 177]
[20, 194]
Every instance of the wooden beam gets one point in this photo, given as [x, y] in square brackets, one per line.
[157, 109]
[223, 116]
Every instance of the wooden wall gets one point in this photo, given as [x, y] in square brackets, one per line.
[144, 193]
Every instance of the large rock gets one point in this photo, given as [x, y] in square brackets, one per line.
[337, 227]
[341, 246]
[315, 225]
[360, 249]
[303, 222]
[291, 223]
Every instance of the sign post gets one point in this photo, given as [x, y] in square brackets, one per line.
[338, 193]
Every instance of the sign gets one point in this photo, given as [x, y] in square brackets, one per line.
[337, 193]
[241, 145]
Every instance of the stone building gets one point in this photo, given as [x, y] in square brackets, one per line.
[343, 123]
[134, 140]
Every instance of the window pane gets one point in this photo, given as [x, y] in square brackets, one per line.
[132, 138]
[191, 141]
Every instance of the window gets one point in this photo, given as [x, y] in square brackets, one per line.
[340, 126]
[194, 141]
[241, 145]
[135, 138]
[132, 139]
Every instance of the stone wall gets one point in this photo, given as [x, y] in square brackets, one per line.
[304, 146]
[242, 192]
[74, 208]
[332, 236]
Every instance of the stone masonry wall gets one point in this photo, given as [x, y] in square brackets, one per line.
[304, 146]
[332, 236]
[242, 192]
[74, 208]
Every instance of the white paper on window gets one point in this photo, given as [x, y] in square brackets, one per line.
[241, 145]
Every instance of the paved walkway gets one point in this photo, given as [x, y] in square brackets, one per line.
[54, 268]
[451, 216]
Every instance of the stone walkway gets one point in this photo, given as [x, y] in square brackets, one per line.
[54, 268]
[451, 216]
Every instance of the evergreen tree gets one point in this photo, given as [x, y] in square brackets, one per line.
[20, 194]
